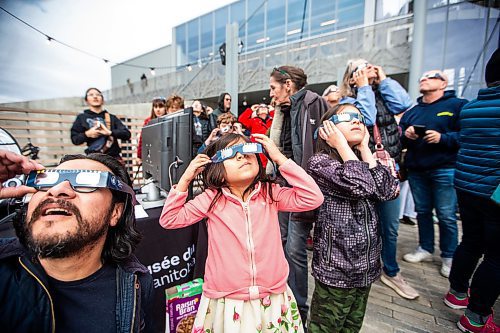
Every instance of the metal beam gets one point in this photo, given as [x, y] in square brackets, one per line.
[232, 65]
[417, 46]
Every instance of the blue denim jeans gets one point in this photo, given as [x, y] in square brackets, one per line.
[388, 213]
[296, 254]
[434, 189]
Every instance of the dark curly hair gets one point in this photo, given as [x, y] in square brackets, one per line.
[214, 174]
[122, 239]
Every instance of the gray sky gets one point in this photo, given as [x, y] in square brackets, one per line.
[112, 29]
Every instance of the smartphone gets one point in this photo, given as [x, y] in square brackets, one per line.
[420, 130]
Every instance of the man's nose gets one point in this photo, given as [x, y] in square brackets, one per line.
[62, 189]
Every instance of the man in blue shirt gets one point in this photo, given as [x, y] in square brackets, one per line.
[431, 136]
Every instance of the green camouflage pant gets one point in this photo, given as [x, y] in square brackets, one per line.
[337, 309]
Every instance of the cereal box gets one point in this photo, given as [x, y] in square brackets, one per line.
[182, 304]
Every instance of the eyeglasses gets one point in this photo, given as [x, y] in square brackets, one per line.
[359, 67]
[282, 72]
[432, 76]
[94, 95]
[330, 89]
[227, 99]
[159, 98]
[81, 181]
[230, 152]
[342, 117]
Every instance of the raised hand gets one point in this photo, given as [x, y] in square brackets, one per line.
[11, 165]
[270, 147]
[194, 168]
[360, 78]
[212, 137]
[380, 74]
[331, 134]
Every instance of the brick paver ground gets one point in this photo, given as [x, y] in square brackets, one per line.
[388, 312]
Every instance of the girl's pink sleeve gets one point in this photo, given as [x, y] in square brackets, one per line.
[177, 213]
[304, 195]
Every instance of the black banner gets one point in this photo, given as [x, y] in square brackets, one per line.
[171, 256]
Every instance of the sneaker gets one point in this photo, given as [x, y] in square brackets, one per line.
[408, 220]
[399, 285]
[446, 267]
[454, 302]
[467, 325]
[490, 326]
[418, 256]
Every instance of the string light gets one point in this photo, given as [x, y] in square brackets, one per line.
[50, 40]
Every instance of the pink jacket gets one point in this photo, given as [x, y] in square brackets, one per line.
[245, 256]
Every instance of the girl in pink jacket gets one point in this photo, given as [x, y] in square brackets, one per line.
[246, 271]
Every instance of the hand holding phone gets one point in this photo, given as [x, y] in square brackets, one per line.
[420, 130]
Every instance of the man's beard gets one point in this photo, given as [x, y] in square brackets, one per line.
[86, 235]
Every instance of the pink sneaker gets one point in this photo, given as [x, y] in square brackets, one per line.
[466, 325]
[454, 302]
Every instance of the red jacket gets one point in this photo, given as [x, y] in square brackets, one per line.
[256, 124]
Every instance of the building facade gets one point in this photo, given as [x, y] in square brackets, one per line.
[320, 36]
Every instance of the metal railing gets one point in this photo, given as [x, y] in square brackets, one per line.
[324, 58]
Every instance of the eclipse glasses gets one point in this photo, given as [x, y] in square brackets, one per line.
[82, 181]
[243, 148]
[343, 117]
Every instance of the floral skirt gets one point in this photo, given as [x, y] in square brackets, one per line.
[274, 313]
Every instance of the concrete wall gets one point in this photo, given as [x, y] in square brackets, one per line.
[160, 57]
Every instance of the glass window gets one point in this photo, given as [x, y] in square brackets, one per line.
[237, 12]
[466, 26]
[276, 19]
[255, 26]
[180, 41]
[434, 38]
[221, 19]
[323, 16]
[298, 19]
[390, 8]
[206, 38]
[350, 13]
[193, 41]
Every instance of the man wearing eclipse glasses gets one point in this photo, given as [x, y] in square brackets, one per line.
[431, 136]
[72, 268]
